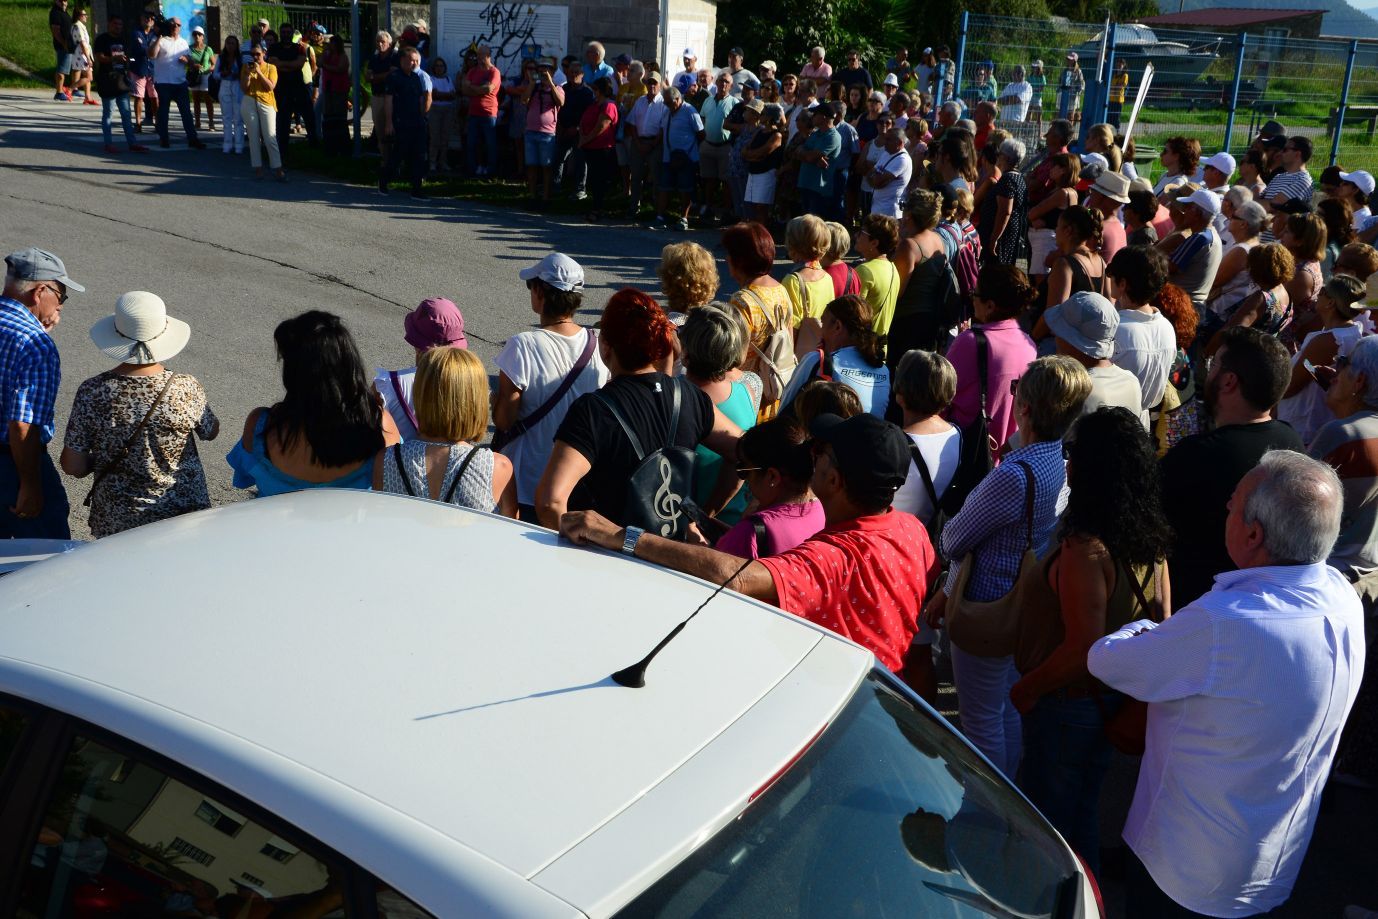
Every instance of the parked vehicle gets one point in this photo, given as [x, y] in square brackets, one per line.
[336, 703]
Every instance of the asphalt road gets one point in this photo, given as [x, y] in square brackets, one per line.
[233, 257]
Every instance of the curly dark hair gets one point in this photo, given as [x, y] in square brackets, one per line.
[1116, 492]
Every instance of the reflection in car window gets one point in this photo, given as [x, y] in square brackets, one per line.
[392, 905]
[121, 838]
[889, 814]
[12, 724]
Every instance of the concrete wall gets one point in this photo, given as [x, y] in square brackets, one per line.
[705, 11]
[628, 26]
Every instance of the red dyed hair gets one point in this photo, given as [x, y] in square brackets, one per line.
[750, 247]
[1175, 304]
[636, 329]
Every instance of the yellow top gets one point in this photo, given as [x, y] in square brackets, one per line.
[808, 300]
[1119, 82]
[256, 86]
[880, 288]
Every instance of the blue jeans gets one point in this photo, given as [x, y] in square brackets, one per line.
[818, 203]
[1066, 755]
[168, 95]
[482, 129]
[126, 119]
[51, 523]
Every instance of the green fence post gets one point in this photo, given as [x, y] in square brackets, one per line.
[1344, 102]
[357, 71]
[1234, 90]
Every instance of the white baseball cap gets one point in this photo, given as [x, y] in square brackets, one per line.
[1222, 161]
[1089, 158]
[1360, 179]
[1208, 201]
[197, 30]
[558, 270]
[689, 52]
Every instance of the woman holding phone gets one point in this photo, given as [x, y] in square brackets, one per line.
[259, 110]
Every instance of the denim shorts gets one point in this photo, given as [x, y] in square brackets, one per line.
[678, 174]
[540, 148]
[66, 60]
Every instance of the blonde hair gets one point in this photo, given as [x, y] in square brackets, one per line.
[1054, 388]
[688, 275]
[807, 238]
[966, 203]
[841, 243]
[450, 394]
[925, 383]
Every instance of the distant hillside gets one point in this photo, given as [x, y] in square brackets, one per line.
[1340, 19]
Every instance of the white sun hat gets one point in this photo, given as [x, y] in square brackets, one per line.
[140, 331]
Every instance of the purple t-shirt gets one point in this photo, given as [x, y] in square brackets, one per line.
[787, 525]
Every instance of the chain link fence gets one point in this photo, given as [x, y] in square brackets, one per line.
[1298, 82]
[335, 19]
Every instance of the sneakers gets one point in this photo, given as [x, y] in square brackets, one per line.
[581, 196]
[90, 102]
[61, 97]
[196, 144]
[78, 94]
[112, 149]
[137, 148]
[660, 223]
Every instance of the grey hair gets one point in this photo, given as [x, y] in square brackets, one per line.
[670, 94]
[1253, 215]
[1238, 195]
[596, 46]
[1298, 502]
[773, 113]
[636, 70]
[818, 50]
[1363, 360]
[714, 340]
[382, 33]
[952, 108]
[1014, 151]
[966, 124]
[18, 287]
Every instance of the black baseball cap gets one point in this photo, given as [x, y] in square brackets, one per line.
[1293, 206]
[872, 454]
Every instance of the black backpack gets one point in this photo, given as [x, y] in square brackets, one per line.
[660, 491]
[977, 456]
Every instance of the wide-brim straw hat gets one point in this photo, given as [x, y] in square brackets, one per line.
[140, 331]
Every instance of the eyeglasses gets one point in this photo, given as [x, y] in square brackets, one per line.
[743, 470]
[61, 294]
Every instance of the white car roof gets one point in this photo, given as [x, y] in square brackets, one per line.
[423, 688]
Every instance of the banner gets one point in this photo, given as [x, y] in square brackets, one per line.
[1138, 101]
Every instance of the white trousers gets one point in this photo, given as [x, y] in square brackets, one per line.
[262, 121]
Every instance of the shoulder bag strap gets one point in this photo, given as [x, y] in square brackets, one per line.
[611, 404]
[530, 421]
[758, 526]
[402, 399]
[982, 366]
[463, 467]
[402, 469]
[1030, 492]
[676, 383]
[110, 467]
[917, 456]
[1152, 611]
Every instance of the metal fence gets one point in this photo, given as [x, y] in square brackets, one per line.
[1216, 87]
[335, 19]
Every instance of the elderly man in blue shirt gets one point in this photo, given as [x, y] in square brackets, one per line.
[33, 503]
[679, 168]
[1247, 690]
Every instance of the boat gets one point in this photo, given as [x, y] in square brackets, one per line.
[1175, 63]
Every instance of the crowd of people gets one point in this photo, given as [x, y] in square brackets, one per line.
[1104, 443]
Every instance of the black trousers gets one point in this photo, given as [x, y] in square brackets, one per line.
[294, 101]
[410, 145]
[168, 94]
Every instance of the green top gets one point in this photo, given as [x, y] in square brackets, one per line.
[880, 287]
[741, 412]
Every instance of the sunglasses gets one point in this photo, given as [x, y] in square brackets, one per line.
[61, 294]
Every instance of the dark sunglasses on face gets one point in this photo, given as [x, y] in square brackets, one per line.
[61, 294]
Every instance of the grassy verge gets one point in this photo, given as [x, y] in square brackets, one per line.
[25, 40]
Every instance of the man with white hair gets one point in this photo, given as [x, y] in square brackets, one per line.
[595, 65]
[1194, 263]
[1014, 101]
[33, 503]
[1248, 689]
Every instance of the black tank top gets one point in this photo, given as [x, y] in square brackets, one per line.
[1083, 280]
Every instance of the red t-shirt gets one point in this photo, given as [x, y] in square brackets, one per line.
[484, 105]
[865, 579]
[589, 120]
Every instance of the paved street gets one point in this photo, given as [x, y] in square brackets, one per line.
[234, 256]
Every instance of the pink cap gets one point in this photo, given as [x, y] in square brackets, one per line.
[435, 323]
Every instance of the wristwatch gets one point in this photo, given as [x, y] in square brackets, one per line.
[630, 540]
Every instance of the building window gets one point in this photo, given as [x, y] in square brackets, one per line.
[276, 854]
[218, 818]
[182, 847]
[250, 879]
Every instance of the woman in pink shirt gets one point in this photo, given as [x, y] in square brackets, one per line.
[480, 87]
[1002, 293]
[775, 464]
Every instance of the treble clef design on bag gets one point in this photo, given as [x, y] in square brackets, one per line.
[667, 503]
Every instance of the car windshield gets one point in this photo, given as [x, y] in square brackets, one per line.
[888, 815]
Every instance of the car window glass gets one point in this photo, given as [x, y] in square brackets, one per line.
[120, 837]
[12, 725]
[392, 905]
[888, 814]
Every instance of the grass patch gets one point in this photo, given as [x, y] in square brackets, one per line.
[25, 40]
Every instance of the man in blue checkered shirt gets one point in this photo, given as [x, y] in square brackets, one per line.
[33, 503]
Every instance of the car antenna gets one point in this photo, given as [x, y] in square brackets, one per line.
[634, 677]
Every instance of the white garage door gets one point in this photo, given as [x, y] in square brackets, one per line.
[507, 28]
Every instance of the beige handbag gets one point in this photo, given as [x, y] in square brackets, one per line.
[990, 628]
